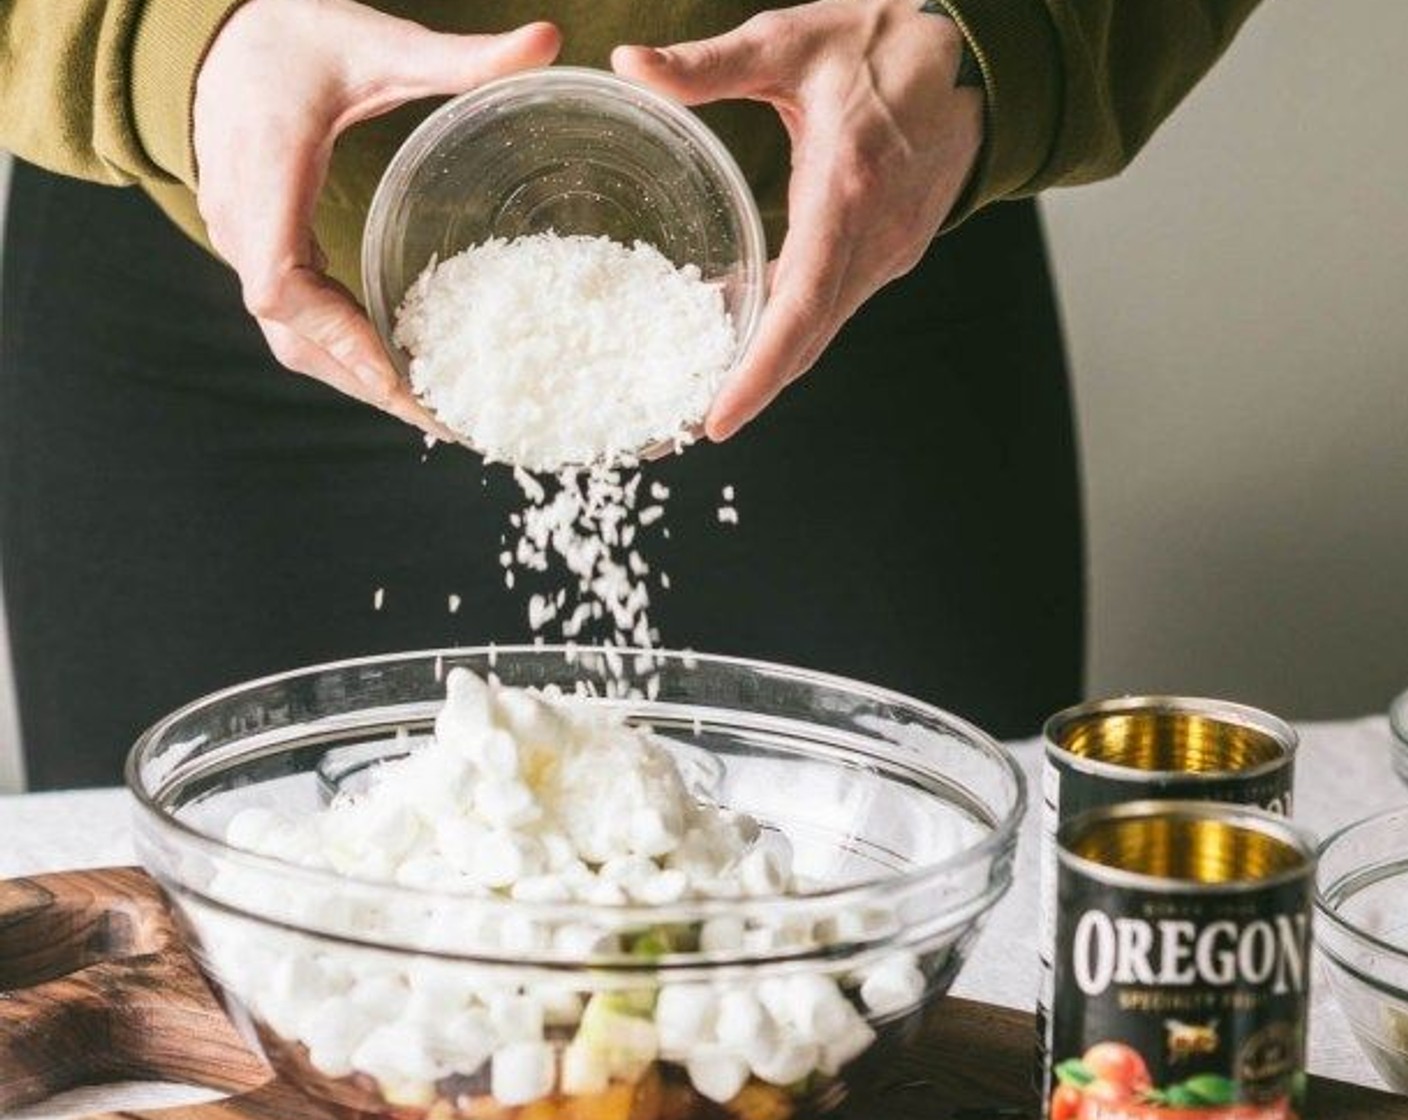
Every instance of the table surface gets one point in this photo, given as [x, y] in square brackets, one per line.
[1343, 773]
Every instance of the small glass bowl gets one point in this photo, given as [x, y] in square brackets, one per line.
[902, 818]
[575, 151]
[1362, 902]
[1398, 724]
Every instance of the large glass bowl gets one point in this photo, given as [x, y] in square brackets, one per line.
[903, 820]
[1398, 724]
[1362, 899]
[570, 150]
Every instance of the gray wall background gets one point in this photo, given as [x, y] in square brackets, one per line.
[1237, 314]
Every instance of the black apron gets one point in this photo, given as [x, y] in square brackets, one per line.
[178, 513]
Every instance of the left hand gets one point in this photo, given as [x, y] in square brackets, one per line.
[882, 145]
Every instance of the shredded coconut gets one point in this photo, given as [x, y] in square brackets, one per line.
[566, 357]
[547, 351]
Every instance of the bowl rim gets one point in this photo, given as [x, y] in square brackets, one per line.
[1398, 719]
[1329, 912]
[1002, 835]
[754, 246]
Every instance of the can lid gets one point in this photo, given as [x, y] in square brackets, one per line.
[1291, 855]
[1268, 729]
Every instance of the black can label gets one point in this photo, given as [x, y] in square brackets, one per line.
[1187, 1004]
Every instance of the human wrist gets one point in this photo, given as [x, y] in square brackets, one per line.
[1017, 53]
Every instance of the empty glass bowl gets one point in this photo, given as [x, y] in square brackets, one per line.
[1362, 899]
[570, 150]
[381, 997]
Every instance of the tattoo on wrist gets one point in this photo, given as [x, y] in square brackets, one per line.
[970, 74]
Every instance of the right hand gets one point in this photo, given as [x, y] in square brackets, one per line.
[283, 79]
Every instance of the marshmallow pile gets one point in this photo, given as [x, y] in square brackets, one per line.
[540, 798]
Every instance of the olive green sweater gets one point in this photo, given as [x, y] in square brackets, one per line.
[102, 89]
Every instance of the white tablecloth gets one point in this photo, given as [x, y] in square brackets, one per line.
[1343, 773]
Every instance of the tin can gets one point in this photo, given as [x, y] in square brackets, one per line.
[1182, 964]
[1151, 747]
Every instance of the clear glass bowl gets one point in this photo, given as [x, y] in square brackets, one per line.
[903, 820]
[1362, 903]
[1398, 723]
[576, 151]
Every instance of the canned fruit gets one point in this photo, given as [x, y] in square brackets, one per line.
[1181, 964]
[1109, 752]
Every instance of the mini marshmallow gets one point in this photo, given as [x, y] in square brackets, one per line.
[628, 870]
[856, 925]
[541, 888]
[585, 1071]
[562, 1007]
[760, 939]
[580, 941]
[684, 1016]
[465, 1041]
[506, 803]
[894, 985]
[604, 893]
[439, 990]
[383, 996]
[332, 1033]
[845, 1048]
[558, 851]
[742, 1021]
[816, 1009]
[499, 860]
[660, 889]
[785, 1063]
[397, 1051]
[720, 887]
[722, 934]
[716, 1073]
[522, 1073]
[516, 1018]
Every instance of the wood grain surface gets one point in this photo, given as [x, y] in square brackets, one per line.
[95, 987]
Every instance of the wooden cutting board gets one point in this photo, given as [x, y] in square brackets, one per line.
[95, 987]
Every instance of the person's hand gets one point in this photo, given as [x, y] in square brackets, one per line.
[282, 80]
[882, 145]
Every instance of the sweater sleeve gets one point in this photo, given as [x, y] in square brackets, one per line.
[1076, 87]
[102, 89]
